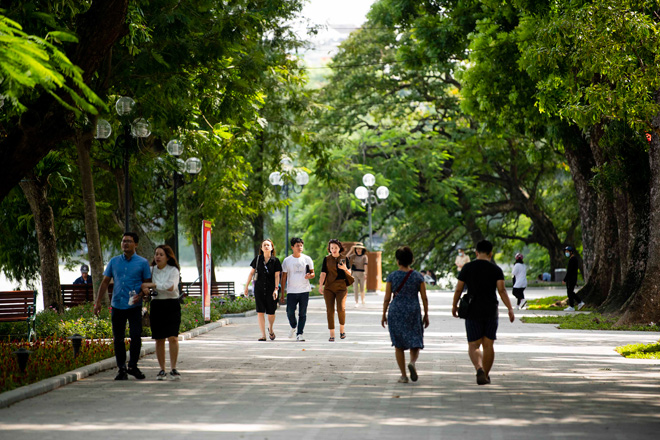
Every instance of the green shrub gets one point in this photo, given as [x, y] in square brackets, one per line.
[81, 319]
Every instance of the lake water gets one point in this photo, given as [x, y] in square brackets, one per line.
[237, 274]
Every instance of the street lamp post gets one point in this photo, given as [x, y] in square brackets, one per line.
[370, 197]
[191, 166]
[275, 178]
[139, 128]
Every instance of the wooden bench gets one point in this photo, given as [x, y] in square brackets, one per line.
[77, 294]
[18, 306]
[218, 288]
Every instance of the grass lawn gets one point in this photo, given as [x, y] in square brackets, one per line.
[547, 303]
[587, 321]
[640, 351]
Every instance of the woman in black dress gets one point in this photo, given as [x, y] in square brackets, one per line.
[268, 270]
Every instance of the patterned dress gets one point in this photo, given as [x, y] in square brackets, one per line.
[404, 316]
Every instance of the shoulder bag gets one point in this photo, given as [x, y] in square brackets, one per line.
[464, 306]
[402, 283]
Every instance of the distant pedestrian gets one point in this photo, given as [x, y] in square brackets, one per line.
[129, 271]
[85, 277]
[484, 279]
[297, 270]
[571, 280]
[333, 287]
[461, 259]
[545, 276]
[359, 270]
[266, 270]
[165, 314]
[519, 274]
[404, 317]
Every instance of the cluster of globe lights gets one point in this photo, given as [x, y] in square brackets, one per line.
[140, 128]
[369, 180]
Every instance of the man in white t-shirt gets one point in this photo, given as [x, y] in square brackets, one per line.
[297, 270]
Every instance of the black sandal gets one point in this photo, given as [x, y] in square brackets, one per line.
[261, 339]
[332, 339]
[342, 335]
[271, 335]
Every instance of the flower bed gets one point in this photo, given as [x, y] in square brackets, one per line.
[48, 357]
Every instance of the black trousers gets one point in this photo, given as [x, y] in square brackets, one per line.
[573, 298]
[119, 319]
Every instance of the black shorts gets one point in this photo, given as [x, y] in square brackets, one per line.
[479, 328]
[265, 303]
[165, 317]
[519, 292]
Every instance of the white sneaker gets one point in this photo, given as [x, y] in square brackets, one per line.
[580, 305]
[569, 309]
[300, 338]
[357, 305]
[292, 332]
[523, 304]
[517, 307]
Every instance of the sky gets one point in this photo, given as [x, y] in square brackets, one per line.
[347, 13]
[337, 11]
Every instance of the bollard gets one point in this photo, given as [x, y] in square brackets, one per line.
[76, 340]
[22, 356]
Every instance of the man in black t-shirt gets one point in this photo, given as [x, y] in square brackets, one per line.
[483, 279]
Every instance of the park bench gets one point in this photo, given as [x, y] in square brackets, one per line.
[18, 306]
[77, 294]
[218, 288]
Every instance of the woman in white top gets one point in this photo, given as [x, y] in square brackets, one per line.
[165, 307]
[519, 281]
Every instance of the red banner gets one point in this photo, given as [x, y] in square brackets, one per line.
[206, 264]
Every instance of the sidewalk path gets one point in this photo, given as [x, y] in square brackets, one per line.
[547, 384]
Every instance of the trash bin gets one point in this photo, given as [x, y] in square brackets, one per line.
[560, 274]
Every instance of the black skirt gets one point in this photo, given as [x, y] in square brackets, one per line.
[165, 318]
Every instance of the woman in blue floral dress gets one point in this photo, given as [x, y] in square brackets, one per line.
[404, 318]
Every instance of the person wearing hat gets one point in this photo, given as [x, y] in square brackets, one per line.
[519, 274]
[84, 278]
[359, 264]
[571, 280]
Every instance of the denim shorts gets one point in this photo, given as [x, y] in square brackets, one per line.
[479, 328]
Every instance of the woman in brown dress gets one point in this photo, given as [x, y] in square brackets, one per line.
[332, 285]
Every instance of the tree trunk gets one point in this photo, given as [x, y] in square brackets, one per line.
[197, 246]
[581, 163]
[258, 236]
[94, 250]
[643, 306]
[605, 275]
[36, 194]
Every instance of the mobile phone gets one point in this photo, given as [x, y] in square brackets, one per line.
[307, 268]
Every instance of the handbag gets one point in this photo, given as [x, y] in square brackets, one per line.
[464, 306]
[349, 279]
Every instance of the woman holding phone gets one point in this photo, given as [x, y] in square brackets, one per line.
[333, 286]
[266, 270]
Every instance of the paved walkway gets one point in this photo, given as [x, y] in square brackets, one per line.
[547, 383]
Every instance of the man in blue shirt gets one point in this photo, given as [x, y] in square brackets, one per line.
[128, 271]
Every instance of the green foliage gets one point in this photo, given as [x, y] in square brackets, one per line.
[640, 351]
[588, 321]
[29, 61]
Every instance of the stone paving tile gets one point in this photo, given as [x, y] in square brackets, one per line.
[547, 384]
